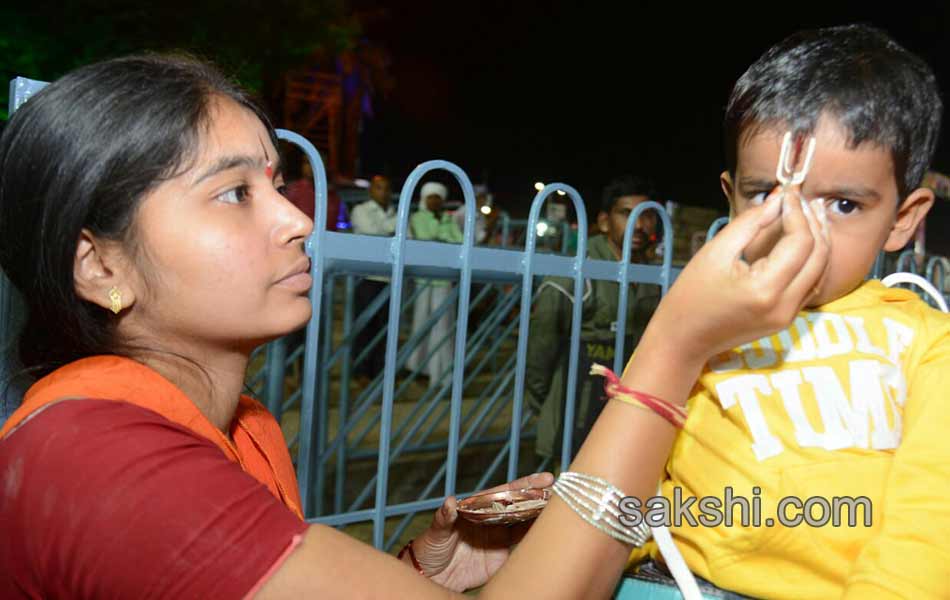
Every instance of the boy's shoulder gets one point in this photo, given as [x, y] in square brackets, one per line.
[874, 294]
[906, 300]
[928, 327]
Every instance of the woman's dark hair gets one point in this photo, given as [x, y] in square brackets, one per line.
[878, 91]
[83, 153]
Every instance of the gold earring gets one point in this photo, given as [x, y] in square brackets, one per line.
[116, 297]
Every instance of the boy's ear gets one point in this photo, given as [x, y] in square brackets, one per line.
[728, 188]
[910, 214]
[603, 222]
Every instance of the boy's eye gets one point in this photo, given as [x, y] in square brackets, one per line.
[234, 195]
[843, 207]
[758, 198]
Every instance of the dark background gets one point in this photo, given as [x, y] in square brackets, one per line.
[517, 92]
[513, 91]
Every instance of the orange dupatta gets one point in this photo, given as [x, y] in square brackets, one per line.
[258, 443]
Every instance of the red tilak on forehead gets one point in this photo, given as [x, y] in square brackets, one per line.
[799, 147]
[269, 167]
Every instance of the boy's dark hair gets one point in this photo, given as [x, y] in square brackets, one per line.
[878, 91]
[626, 185]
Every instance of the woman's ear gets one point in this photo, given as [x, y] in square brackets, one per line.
[728, 189]
[910, 214]
[100, 273]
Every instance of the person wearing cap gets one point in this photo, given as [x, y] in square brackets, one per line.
[431, 223]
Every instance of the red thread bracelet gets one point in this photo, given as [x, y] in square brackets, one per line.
[412, 558]
[676, 415]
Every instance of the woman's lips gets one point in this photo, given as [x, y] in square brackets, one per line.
[300, 282]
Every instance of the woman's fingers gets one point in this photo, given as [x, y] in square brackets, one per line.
[807, 284]
[742, 302]
[772, 274]
[792, 272]
[733, 239]
[447, 514]
[535, 480]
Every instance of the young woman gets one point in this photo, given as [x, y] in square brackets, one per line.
[141, 217]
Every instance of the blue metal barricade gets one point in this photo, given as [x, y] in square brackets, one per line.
[509, 273]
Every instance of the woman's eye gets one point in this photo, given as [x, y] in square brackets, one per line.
[234, 195]
[758, 198]
[843, 207]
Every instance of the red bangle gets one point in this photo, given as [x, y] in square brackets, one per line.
[676, 415]
[412, 558]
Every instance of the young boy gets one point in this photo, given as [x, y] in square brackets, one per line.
[851, 401]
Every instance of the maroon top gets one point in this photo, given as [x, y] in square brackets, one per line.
[103, 499]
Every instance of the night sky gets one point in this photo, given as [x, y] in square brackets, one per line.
[521, 91]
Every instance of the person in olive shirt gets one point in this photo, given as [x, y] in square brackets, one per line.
[550, 327]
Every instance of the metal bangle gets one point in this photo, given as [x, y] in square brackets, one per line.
[636, 537]
[591, 497]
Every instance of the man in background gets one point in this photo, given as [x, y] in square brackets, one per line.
[550, 325]
[375, 216]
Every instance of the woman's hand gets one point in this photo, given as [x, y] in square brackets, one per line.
[720, 301]
[459, 555]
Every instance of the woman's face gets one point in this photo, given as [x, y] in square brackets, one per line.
[222, 261]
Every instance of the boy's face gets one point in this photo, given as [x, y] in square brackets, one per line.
[861, 199]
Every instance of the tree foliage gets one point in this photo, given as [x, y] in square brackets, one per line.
[253, 41]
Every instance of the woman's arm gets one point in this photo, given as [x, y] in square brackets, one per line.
[718, 302]
[330, 564]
